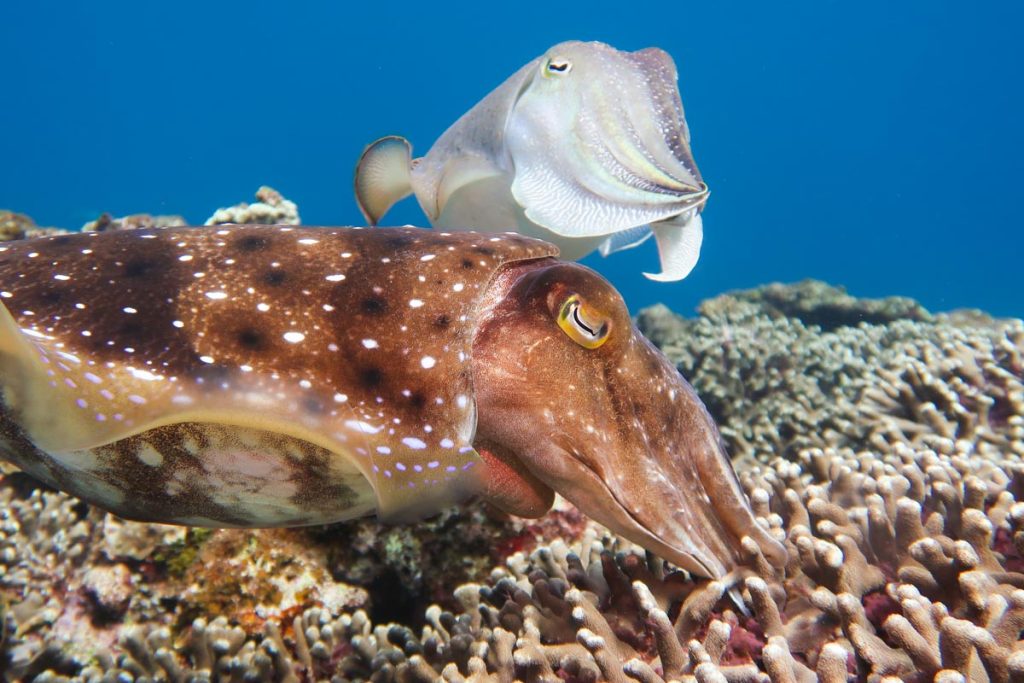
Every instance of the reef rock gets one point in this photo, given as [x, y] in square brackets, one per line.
[13, 226]
[134, 221]
[16, 226]
[271, 208]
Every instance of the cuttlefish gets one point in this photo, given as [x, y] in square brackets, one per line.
[242, 376]
[586, 147]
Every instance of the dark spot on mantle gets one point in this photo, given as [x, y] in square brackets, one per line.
[51, 296]
[275, 277]
[374, 305]
[371, 377]
[397, 242]
[252, 243]
[250, 338]
[139, 267]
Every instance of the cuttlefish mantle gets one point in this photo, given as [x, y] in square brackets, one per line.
[280, 376]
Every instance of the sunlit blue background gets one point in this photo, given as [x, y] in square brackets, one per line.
[873, 144]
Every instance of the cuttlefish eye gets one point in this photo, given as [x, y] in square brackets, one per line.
[556, 66]
[584, 325]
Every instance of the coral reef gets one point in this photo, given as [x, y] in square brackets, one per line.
[886, 452]
[270, 208]
[74, 577]
[65, 564]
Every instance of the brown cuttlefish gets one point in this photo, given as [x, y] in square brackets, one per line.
[266, 376]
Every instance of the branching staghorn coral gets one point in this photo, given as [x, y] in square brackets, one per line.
[905, 564]
[960, 386]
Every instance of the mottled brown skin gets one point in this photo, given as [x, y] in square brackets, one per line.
[274, 376]
[209, 310]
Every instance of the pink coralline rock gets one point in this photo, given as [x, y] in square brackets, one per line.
[109, 587]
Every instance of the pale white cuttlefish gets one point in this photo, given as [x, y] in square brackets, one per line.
[586, 146]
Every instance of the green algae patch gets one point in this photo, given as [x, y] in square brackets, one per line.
[178, 556]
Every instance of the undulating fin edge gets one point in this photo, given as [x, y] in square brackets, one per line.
[383, 177]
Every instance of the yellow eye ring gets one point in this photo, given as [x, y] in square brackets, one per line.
[557, 66]
[582, 324]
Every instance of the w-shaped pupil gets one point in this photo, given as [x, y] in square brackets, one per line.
[579, 321]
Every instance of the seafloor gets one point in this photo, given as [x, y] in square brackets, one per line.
[884, 443]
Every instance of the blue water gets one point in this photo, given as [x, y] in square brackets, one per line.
[876, 145]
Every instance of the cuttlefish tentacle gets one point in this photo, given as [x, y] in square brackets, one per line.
[278, 376]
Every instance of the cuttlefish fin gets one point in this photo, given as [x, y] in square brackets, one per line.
[412, 485]
[55, 395]
[679, 239]
[383, 176]
[627, 239]
[26, 386]
[14, 344]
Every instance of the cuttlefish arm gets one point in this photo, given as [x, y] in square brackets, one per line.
[679, 240]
